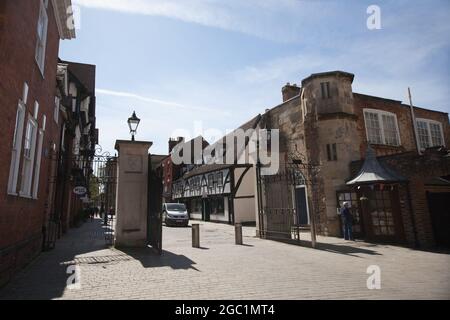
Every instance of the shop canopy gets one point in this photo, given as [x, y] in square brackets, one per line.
[373, 172]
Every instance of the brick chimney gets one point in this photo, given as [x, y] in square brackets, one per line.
[173, 142]
[289, 91]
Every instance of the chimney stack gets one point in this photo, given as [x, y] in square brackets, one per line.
[289, 91]
[173, 142]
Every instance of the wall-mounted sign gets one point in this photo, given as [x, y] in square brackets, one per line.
[80, 191]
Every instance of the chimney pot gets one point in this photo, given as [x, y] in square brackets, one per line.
[289, 91]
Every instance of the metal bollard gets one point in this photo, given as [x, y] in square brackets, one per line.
[196, 236]
[238, 233]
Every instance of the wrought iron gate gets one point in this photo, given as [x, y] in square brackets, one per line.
[154, 217]
[288, 200]
[80, 185]
[104, 179]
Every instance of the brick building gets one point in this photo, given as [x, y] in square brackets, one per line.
[326, 129]
[30, 32]
[78, 136]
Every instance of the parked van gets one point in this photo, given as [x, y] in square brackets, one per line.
[175, 214]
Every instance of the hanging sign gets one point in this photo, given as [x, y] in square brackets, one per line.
[80, 190]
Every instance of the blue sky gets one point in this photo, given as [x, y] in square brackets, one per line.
[219, 63]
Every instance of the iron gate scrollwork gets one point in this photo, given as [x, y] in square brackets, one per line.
[288, 200]
[81, 184]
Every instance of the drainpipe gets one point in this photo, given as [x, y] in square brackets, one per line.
[416, 139]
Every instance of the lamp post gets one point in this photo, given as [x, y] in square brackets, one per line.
[133, 123]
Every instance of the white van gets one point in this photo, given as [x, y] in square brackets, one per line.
[175, 214]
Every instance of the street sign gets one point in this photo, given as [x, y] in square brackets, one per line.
[80, 191]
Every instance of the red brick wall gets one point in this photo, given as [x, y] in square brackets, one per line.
[404, 121]
[417, 170]
[21, 220]
[167, 175]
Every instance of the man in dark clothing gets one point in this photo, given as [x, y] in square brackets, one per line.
[347, 220]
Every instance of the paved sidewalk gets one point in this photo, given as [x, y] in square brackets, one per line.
[261, 269]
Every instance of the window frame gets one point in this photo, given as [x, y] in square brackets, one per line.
[380, 114]
[332, 152]
[37, 165]
[325, 90]
[16, 151]
[430, 139]
[41, 43]
[26, 183]
[56, 110]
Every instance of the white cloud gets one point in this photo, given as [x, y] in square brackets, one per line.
[252, 17]
[154, 101]
[385, 62]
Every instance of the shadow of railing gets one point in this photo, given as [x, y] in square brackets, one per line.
[350, 250]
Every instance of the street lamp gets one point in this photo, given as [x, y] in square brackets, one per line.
[133, 123]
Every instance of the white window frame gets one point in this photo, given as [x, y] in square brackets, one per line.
[16, 149]
[380, 114]
[37, 169]
[28, 161]
[430, 140]
[63, 137]
[41, 36]
[56, 111]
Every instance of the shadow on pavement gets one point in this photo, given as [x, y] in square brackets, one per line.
[46, 277]
[333, 248]
[150, 259]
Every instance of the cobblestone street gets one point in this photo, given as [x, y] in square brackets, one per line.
[260, 269]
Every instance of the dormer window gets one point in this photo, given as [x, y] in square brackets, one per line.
[381, 127]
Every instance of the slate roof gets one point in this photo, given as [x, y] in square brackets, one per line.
[373, 171]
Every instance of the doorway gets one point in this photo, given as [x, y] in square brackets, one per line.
[206, 210]
[301, 205]
[381, 211]
[439, 204]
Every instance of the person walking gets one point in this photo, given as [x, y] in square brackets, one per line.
[347, 221]
[91, 213]
[104, 214]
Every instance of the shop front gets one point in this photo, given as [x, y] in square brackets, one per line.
[206, 195]
[375, 202]
[376, 211]
[218, 193]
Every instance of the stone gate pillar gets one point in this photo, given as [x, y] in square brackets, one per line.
[131, 196]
